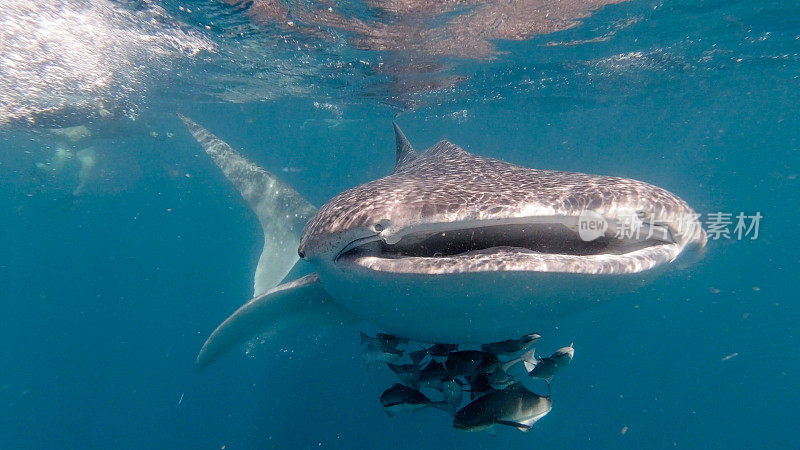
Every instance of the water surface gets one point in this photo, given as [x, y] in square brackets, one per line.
[125, 248]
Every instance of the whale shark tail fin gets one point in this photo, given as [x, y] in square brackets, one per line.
[281, 210]
[296, 303]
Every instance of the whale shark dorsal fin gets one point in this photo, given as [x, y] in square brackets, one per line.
[281, 211]
[405, 153]
[445, 149]
[296, 303]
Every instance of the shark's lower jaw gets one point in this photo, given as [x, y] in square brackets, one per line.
[540, 246]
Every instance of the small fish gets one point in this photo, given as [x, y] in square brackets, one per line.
[545, 368]
[452, 391]
[372, 355]
[383, 342]
[470, 362]
[479, 385]
[437, 352]
[409, 374]
[373, 350]
[499, 379]
[418, 356]
[511, 345]
[399, 398]
[529, 357]
[433, 375]
[440, 352]
[391, 340]
[514, 406]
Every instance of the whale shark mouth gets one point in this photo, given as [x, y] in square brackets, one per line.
[535, 244]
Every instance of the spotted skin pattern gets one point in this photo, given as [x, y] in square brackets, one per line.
[447, 184]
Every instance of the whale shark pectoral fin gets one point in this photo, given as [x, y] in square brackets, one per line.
[281, 210]
[296, 303]
[405, 153]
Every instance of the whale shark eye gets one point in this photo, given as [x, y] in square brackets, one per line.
[301, 254]
[381, 225]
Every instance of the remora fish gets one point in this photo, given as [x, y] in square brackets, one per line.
[399, 398]
[499, 379]
[382, 342]
[451, 393]
[371, 354]
[450, 247]
[378, 349]
[528, 357]
[433, 375]
[511, 345]
[407, 373]
[437, 352]
[466, 363]
[515, 406]
[390, 340]
[479, 384]
[547, 367]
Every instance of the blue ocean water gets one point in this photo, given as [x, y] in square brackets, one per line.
[112, 278]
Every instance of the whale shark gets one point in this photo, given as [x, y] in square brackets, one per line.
[449, 247]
